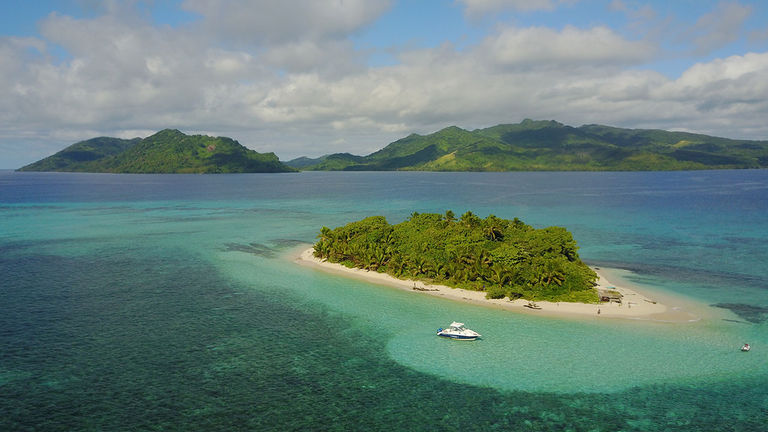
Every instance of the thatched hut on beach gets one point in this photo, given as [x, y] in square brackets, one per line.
[609, 295]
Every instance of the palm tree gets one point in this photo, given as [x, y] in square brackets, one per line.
[452, 268]
[500, 275]
[326, 234]
[441, 269]
[397, 265]
[470, 219]
[552, 273]
[368, 259]
[379, 256]
[493, 231]
[322, 249]
[421, 265]
[449, 216]
[389, 238]
[485, 258]
[460, 274]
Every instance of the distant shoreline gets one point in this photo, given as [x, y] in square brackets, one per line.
[636, 305]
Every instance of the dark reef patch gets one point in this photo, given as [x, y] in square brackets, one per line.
[257, 249]
[751, 313]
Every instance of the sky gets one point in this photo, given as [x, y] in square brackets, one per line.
[313, 77]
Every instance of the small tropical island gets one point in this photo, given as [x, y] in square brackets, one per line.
[489, 262]
[502, 258]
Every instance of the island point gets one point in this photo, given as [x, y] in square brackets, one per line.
[493, 262]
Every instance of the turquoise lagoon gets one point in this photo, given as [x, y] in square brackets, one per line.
[149, 302]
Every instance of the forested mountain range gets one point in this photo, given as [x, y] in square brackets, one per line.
[168, 151]
[526, 146]
[551, 146]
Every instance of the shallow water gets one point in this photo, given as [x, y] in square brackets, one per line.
[167, 302]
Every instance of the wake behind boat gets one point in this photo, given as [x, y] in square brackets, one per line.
[457, 331]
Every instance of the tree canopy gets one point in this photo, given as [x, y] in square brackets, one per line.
[504, 258]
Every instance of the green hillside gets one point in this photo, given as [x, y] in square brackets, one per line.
[552, 146]
[303, 162]
[168, 151]
[332, 162]
[84, 156]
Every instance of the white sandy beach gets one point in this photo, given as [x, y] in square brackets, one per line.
[635, 304]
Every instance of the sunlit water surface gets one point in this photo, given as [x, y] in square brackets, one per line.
[172, 302]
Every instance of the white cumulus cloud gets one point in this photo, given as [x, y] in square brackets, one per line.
[267, 21]
[480, 7]
[296, 85]
[542, 46]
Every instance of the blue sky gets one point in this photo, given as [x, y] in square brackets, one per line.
[310, 77]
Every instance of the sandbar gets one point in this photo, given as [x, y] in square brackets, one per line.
[635, 305]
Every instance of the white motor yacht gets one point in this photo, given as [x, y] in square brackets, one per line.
[457, 331]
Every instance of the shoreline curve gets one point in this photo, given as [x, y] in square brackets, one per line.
[637, 306]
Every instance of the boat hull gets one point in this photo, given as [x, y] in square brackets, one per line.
[457, 337]
[457, 331]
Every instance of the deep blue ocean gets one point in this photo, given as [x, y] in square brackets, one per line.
[173, 302]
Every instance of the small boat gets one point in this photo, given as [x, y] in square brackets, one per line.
[746, 348]
[457, 331]
[532, 305]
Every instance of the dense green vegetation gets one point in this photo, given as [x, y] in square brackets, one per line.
[168, 151]
[84, 156]
[551, 146]
[501, 257]
[333, 162]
